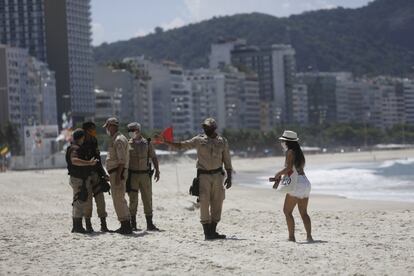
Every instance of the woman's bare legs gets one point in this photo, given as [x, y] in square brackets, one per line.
[303, 210]
[290, 203]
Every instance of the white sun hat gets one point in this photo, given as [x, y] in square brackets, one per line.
[289, 135]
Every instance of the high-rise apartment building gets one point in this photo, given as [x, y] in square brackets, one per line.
[57, 32]
[69, 54]
[22, 25]
[27, 91]
[274, 67]
[230, 96]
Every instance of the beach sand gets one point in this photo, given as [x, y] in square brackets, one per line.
[352, 237]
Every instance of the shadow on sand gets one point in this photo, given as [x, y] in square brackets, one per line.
[133, 235]
[233, 238]
[312, 242]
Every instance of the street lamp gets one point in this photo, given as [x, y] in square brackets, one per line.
[411, 69]
[366, 120]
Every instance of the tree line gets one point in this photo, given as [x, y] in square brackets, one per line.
[256, 142]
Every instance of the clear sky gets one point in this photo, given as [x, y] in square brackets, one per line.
[114, 20]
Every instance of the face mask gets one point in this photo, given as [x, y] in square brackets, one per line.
[92, 133]
[132, 135]
[108, 132]
[209, 131]
[284, 146]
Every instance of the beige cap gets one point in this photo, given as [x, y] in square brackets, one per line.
[210, 122]
[111, 121]
[134, 126]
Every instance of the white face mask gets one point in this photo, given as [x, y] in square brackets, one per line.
[132, 135]
[284, 146]
[108, 132]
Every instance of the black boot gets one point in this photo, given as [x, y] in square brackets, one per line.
[77, 226]
[88, 225]
[207, 232]
[134, 223]
[214, 233]
[104, 228]
[125, 228]
[150, 225]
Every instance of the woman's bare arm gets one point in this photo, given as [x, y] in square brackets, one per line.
[288, 164]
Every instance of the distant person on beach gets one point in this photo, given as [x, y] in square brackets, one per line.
[298, 192]
[117, 165]
[212, 152]
[79, 171]
[98, 178]
[140, 173]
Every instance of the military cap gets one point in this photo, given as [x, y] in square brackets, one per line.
[111, 121]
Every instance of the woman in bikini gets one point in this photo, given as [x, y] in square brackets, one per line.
[299, 193]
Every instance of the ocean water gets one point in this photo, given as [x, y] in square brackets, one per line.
[391, 180]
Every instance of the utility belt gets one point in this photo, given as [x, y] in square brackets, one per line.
[195, 186]
[111, 171]
[81, 174]
[218, 170]
[139, 171]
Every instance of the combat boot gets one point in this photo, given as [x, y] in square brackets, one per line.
[88, 225]
[134, 223]
[104, 228]
[77, 226]
[125, 228]
[150, 225]
[207, 232]
[214, 233]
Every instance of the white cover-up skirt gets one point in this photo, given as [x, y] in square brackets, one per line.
[302, 188]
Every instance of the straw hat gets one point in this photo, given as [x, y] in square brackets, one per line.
[289, 135]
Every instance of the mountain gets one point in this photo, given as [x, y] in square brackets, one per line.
[374, 39]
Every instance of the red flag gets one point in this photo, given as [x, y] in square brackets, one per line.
[167, 134]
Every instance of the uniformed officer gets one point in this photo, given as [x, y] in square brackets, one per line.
[140, 174]
[117, 166]
[212, 152]
[98, 177]
[79, 171]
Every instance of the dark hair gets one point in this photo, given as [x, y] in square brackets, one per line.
[299, 157]
[88, 125]
[78, 134]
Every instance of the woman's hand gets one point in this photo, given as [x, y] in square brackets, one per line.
[278, 176]
[277, 181]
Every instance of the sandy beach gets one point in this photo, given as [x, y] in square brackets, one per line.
[353, 237]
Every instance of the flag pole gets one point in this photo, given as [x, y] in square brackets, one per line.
[177, 179]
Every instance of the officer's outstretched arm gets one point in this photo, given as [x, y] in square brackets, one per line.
[187, 144]
[175, 145]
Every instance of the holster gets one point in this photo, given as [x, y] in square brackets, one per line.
[102, 187]
[195, 186]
